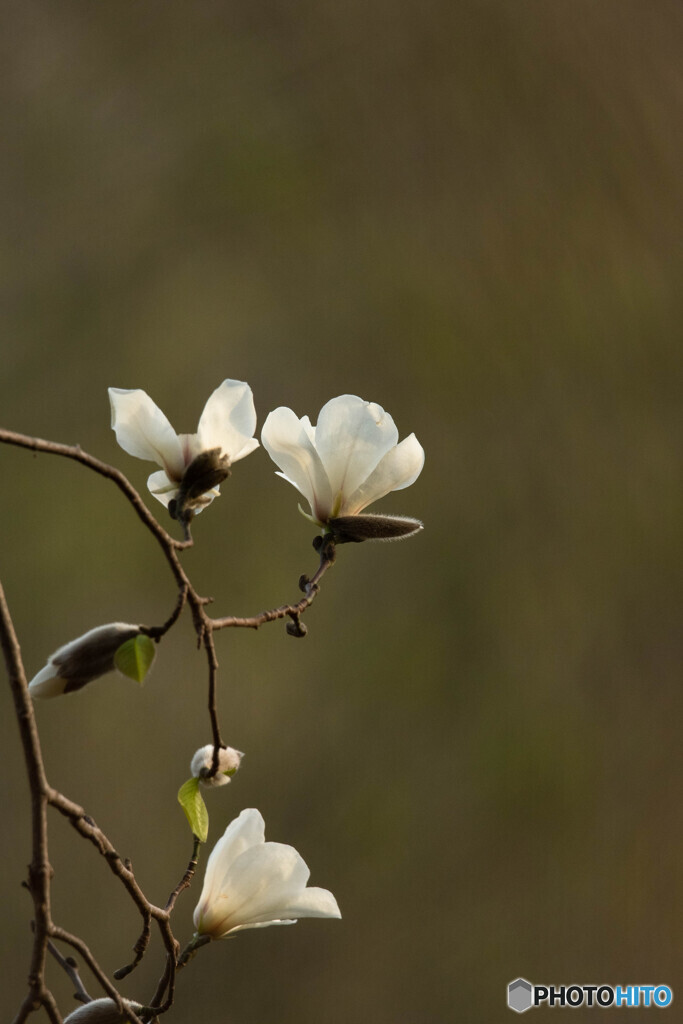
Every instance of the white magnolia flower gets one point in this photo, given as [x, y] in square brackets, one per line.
[101, 1011]
[250, 883]
[226, 428]
[81, 660]
[228, 763]
[350, 459]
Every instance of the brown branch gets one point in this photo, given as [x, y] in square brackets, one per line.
[123, 870]
[72, 940]
[51, 1008]
[157, 632]
[85, 825]
[38, 444]
[140, 948]
[310, 588]
[39, 872]
[166, 987]
[210, 648]
[185, 881]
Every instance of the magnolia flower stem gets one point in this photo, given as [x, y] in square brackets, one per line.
[212, 659]
[310, 588]
[195, 943]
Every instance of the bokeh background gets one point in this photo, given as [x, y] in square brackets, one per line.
[469, 212]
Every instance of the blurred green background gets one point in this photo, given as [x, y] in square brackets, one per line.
[469, 212]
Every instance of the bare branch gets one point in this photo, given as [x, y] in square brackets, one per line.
[310, 588]
[185, 881]
[40, 871]
[69, 965]
[156, 632]
[78, 944]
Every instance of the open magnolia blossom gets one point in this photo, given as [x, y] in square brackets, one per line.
[250, 883]
[228, 763]
[82, 660]
[192, 465]
[350, 459]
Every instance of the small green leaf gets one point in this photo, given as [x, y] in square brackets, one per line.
[134, 657]
[192, 802]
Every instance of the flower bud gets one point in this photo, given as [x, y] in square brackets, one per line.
[370, 526]
[228, 763]
[199, 483]
[101, 1011]
[82, 660]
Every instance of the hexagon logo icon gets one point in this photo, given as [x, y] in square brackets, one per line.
[520, 995]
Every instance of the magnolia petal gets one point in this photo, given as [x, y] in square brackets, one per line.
[161, 487]
[310, 902]
[309, 428]
[251, 445]
[229, 420]
[143, 431]
[351, 437]
[247, 830]
[287, 440]
[399, 468]
[254, 924]
[47, 683]
[261, 882]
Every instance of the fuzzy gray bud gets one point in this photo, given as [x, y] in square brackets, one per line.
[228, 763]
[101, 1011]
[206, 471]
[369, 526]
[82, 660]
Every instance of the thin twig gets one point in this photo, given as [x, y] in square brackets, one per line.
[185, 881]
[311, 588]
[50, 1006]
[68, 964]
[80, 946]
[157, 632]
[140, 948]
[39, 872]
[38, 444]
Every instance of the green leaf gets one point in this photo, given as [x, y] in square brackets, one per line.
[192, 802]
[134, 657]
